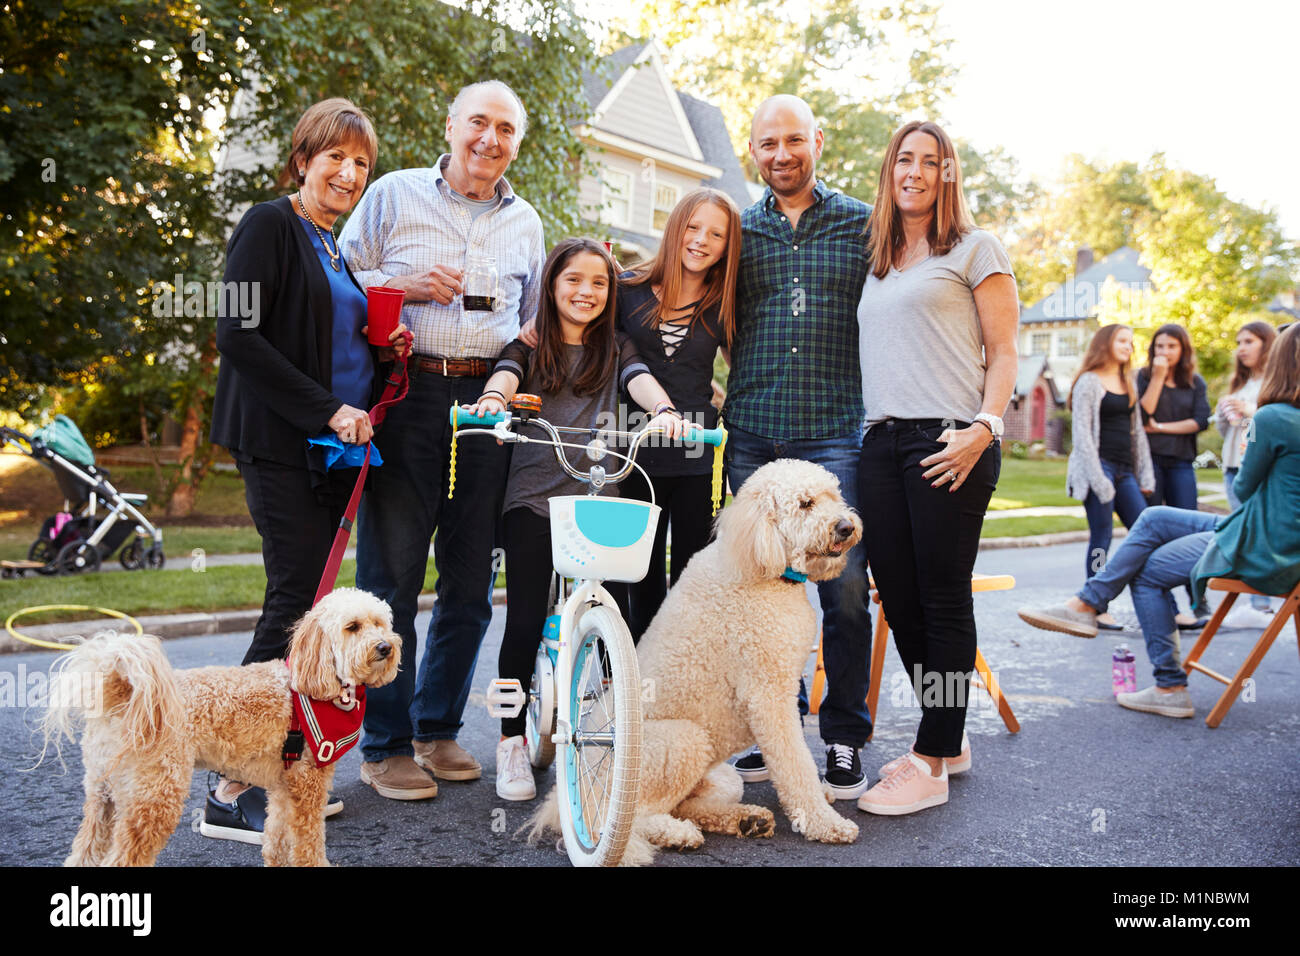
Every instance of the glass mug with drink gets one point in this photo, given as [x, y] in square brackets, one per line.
[481, 292]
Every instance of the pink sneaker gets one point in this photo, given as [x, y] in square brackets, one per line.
[955, 765]
[906, 790]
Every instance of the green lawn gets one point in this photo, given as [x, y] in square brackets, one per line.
[1023, 527]
[172, 590]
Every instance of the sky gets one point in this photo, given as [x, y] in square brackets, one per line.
[1212, 85]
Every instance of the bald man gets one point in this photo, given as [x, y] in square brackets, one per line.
[795, 389]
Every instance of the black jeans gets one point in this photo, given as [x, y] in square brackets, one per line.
[687, 504]
[297, 526]
[921, 543]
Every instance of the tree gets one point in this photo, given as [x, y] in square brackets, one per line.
[110, 129]
[863, 69]
[1212, 259]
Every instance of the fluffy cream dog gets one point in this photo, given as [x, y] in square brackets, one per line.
[721, 664]
[150, 726]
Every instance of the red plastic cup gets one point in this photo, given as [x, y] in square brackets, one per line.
[383, 312]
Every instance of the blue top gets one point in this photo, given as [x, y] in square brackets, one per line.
[352, 372]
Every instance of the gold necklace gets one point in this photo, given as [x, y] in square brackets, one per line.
[334, 256]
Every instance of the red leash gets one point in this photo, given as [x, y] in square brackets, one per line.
[395, 388]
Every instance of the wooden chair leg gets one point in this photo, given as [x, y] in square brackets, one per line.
[818, 680]
[1247, 669]
[1208, 631]
[879, 641]
[991, 685]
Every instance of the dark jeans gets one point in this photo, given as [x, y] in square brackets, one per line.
[1175, 482]
[687, 506]
[297, 527]
[1129, 502]
[405, 504]
[921, 543]
[846, 620]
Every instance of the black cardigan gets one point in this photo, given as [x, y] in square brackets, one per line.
[273, 386]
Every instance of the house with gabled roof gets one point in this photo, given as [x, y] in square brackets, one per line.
[649, 145]
[1054, 334]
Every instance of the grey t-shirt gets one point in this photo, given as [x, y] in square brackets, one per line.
[535, 475]
[476, 207]
[919, 335]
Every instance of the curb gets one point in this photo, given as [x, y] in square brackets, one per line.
[164, 626]
[1041, 540]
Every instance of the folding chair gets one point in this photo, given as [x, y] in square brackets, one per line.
[1290, 608]
[880, 640]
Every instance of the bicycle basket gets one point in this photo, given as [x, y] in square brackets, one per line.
[605, 538]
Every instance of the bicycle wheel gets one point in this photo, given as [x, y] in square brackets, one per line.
[599, 770]
[539, 724]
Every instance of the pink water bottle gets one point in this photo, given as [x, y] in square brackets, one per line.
[1123, 671]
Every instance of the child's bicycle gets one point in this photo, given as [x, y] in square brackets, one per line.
[584, 701]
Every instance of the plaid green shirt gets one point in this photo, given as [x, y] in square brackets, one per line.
[794, 363]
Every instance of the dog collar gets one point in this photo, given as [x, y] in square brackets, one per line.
[790, 574]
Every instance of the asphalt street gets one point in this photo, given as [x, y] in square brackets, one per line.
[1084, 783]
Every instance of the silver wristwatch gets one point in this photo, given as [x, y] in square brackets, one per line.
[994, 423]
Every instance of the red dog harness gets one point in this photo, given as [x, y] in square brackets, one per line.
[330, 728]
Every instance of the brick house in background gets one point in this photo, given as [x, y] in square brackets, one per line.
[1054, 334]
[648, 146]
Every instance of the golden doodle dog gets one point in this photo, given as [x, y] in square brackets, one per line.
[150, 726]
[722, 660]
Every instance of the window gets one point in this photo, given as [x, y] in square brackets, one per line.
[1067, 344]
[616, 197]
[665, 198]
[1040, 343]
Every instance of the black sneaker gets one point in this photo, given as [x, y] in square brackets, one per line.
[243, 819]
[751, 767]
[844, 772]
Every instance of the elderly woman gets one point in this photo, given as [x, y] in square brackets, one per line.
[303, 369]
[1258, 543]
[937, 335]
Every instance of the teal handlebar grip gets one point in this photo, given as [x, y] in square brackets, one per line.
[460, 417]
[710, 436]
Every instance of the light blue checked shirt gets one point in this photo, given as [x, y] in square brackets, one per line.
[408, 222]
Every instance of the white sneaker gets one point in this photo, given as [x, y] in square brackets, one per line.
[514, 772]
[1244, 617]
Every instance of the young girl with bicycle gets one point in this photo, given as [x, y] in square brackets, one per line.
[679, 309]
[577, 368]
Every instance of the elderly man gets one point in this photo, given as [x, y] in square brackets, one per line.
[419, 230]
[795, 386]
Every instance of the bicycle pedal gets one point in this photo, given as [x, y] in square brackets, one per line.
[505, 697]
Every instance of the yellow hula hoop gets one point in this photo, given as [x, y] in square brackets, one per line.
[107, 611]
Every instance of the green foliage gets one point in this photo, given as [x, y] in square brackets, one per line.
[1212, 259]
[403, 63]
[863, 69]
[105, 171]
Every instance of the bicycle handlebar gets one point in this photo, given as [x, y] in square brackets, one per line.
[709, 436]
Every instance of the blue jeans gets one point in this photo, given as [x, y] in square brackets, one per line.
[1257, 601]
[1128, 502]
[404, 505]
[1175, 482]
[1157, 556]
[846, 620]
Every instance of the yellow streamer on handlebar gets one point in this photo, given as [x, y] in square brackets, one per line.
[717, 472]
[451, 465]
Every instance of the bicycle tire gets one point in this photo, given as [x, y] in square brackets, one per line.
[599, 781]
[539, 723]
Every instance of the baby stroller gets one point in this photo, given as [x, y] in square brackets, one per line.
[96, 519]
